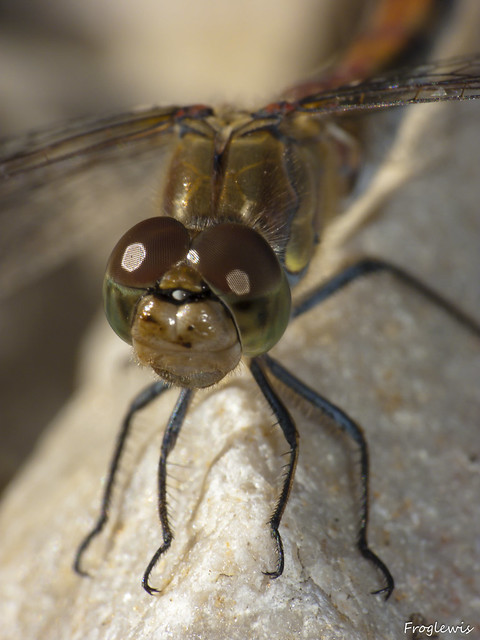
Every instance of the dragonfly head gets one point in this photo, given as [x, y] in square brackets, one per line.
[191, 303]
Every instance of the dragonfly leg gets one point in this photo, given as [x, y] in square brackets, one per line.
[353, 430]
[169, 439]
[368, 266]
[142, 400]
[291, 435]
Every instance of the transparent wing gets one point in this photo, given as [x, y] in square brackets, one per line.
[454, 79]
[61, 191]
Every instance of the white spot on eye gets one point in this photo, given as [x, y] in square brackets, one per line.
[193, 256]
[133, 256]
[238, 281]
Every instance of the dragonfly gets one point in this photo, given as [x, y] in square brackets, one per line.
[204, 282]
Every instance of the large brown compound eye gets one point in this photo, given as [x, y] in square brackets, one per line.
[235, 259]
[147, 251]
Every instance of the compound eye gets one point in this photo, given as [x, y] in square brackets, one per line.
[147, 251]
[235, 259]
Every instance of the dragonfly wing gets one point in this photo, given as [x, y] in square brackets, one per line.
[62, 191]
[454, 79]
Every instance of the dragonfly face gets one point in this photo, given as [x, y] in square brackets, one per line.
[190, 302]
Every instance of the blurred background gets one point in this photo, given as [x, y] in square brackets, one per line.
[61, 59]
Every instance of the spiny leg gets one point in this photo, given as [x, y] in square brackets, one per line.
[342, 420]
[291, 435]
[142, 400]
[169, 439]
[368, 266]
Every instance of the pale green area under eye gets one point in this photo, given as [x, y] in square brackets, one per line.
[261, 321]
